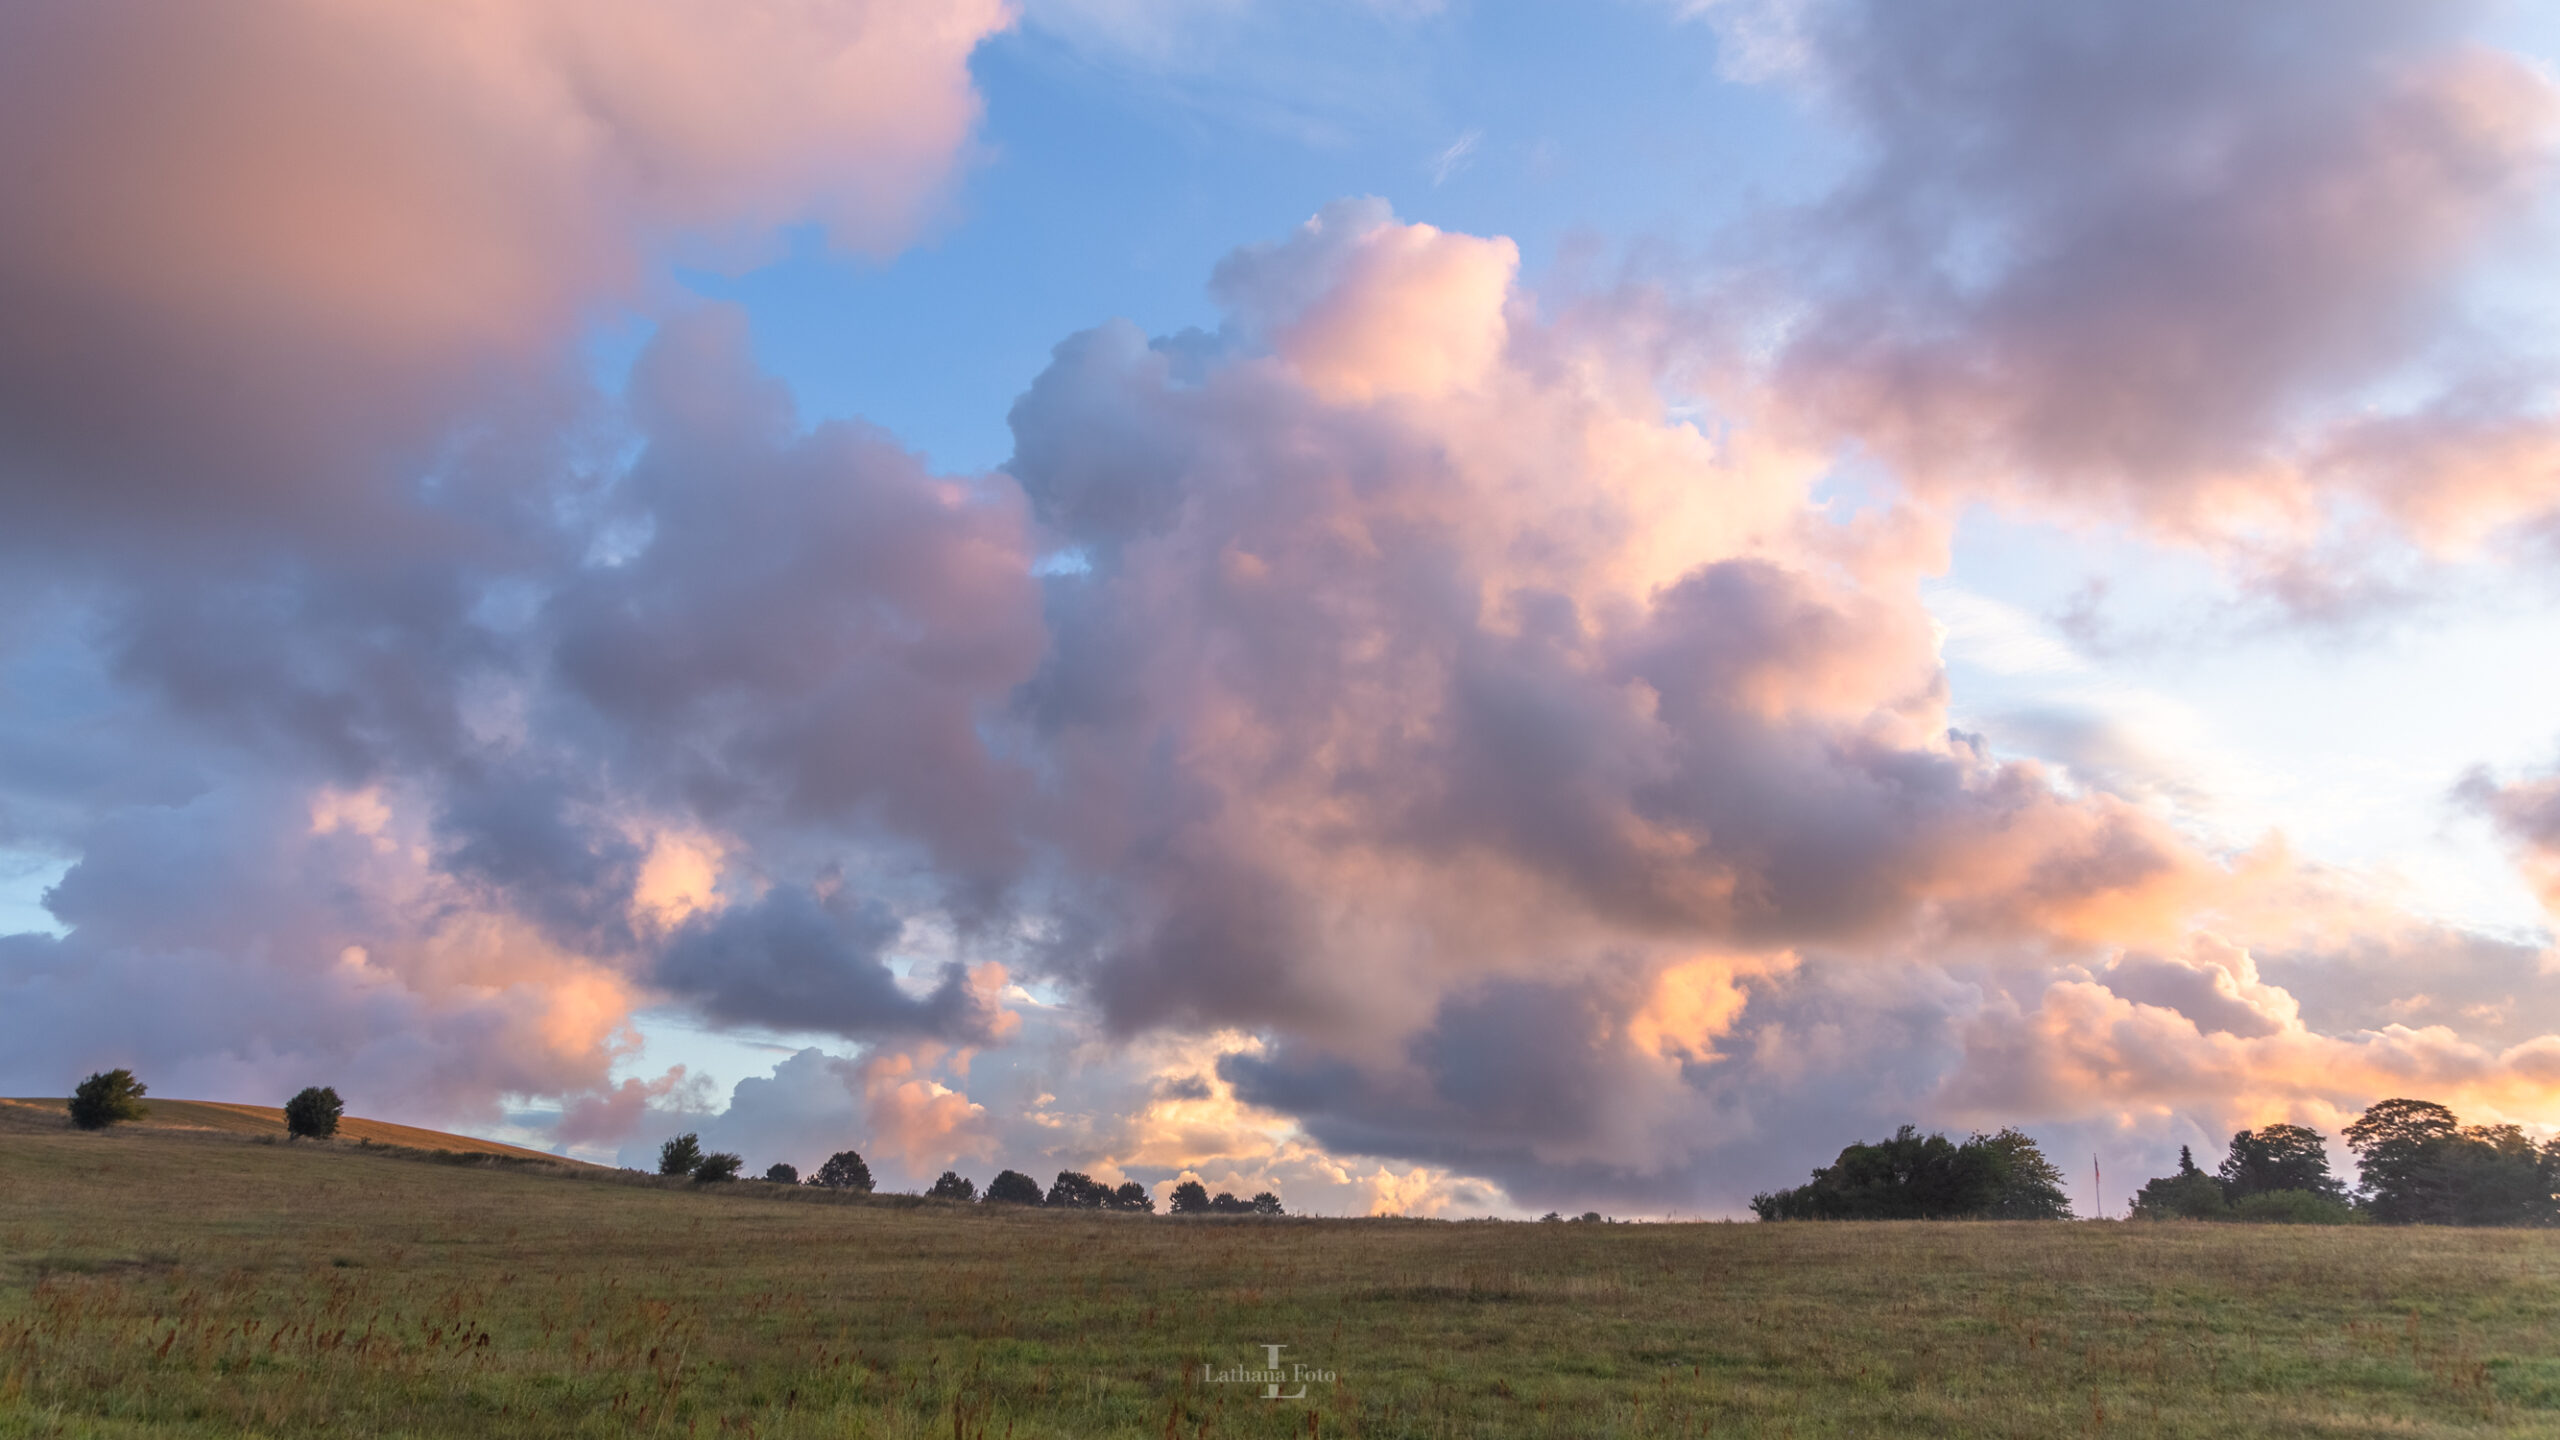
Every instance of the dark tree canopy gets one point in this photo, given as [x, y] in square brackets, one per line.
[681, 1155]
[715, 1168]
[1133, 1196]
[1075, 1190]
[1012, 1187]
[1190, 1198]
[2190, 1194]
[2401, 1147]
[108, 1097]
[782, 1174]
[954, 1186]
[2279, 1157]
[1915, 1177]
[313, 1113]
[844, 1170]
[1266, 1203]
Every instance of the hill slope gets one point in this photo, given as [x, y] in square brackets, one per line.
[171, 1284]
[231, 1119]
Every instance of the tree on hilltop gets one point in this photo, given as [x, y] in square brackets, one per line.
[313, 1112]
[680, 1155]
[844, 1170]
[953, 1186]
[1012, 1187]
[108, 1097]
[1190, 1198]
[712, 1169]
[1133, 1196]
[2190, 1194]
[2279, 1157]
[1075, 1190]
[1266, 1203]
[1915, 1177]
[782, 1174]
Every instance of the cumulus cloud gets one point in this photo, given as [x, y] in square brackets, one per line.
[2158, 261]
[1447, 779]
[257, 262]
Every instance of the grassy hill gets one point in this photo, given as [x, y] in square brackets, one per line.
[223, 1117]
[178, 1282]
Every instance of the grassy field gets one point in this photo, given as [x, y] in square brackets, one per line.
[192, 1283]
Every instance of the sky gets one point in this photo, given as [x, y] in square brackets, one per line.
[1441, 608]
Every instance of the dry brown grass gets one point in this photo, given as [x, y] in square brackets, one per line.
[223, 1117]
[169, 1283]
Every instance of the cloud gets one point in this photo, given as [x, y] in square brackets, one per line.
[1449, 779]
[257, 263]
[2161, 262]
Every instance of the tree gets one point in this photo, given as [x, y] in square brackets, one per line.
[2190, 1194]
[1190, 1198]
[1075, 1190]
[2400, 1147]
[1012, 1187]
[1227, 1204]
[844, 1170]
[108, 1097]
[2022, 1184]
[781, 1174]
[1266, 1203]
[953, 1186]
[680, 1155]
[2279, 1157]
[712, 1169]
[1133, 1196]
[1916, 1177]
[313, 1113]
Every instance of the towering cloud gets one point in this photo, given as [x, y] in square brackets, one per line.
[1383, 746]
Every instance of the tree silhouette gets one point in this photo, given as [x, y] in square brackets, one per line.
[1915, 1177]
[108, 1097]
[953, 1186]
[1012, 1187]
[781, 1174]
[680, 1155]
[2279, 1157]
[1133, 1196]
[313, 1113]
[712, 1169]
[1075, 1190]
[1190, 1198]
[844, 1170]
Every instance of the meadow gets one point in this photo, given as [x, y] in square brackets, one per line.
[170, 1283]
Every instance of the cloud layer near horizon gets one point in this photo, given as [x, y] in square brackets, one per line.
[1409, 764]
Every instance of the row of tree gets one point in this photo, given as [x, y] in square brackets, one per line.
[1072, 1190]
[2416, 1164]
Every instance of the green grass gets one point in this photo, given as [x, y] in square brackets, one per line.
[166, 1283]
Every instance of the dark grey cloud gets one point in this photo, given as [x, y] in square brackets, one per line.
[797, 961]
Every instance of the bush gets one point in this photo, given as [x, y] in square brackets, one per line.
[313, 1113]
[844, 1170]
[2294, 1207]
[712, 1169]
[681, 1155]
[953, 1186]
[1190, 1198]
[781, 1174]
[1012, 1187]
[106, 1098]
